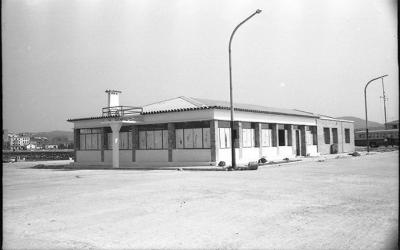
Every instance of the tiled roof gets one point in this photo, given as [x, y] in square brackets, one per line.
[183, 103]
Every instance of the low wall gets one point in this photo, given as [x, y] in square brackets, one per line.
[312, 150]
[191, 155]
[243, 155]
[88, 156]
[151, 155]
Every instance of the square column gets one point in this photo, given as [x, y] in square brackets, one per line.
[274, 128]
[303, 144]
[102, 143]
[171, 140]
[258, 138]
[214, 139]
[239, 134]
[289, 129]
[76, 142]
[115, 127]
[135, 141]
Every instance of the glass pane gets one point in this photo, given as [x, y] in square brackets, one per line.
[179, 138]
[197, 138]
[94, 141]
[129, 140]
[252, 138]
[88, 141]
[158, 139]
[123, 140]
[142, 139]
[206, 138]
[188, 134]
[165, 139]
[150, 139]
[222, 139]
[246, 134]
[228, 137]
[82, 142]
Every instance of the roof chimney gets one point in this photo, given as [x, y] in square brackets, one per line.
[113, 97]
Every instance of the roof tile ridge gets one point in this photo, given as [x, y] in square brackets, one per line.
[193, 101]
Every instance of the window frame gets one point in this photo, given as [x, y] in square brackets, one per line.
[327, 135]
[347, 135]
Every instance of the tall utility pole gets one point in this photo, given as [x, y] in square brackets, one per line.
[384, 101]
[233, 132]
[366, 111]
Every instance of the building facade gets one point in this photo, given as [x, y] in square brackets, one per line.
[191, 131]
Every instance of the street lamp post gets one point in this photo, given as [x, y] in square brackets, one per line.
[366, 113]
[233, 135]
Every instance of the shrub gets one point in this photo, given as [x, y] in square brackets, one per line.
[221, 164]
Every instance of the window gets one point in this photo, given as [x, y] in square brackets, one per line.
[327, 136]
[283, 137]
[90, 139]
[248, 137]
[309, 138]
[179, 138]
[125, 140]
[347, 135]
[266, 137]
[224, 137]
[334, 135]
[193, 138]
[153, 139]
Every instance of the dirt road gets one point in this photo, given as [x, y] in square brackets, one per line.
[349, 203]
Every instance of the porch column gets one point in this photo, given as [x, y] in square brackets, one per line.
[238, 140]
[102, 142]
[115, 127]
[214, 140]
[303, 145]
[171, 140]
[274, 128]
[135, 141]
[258, 139]
[293, 138]
[76, 142]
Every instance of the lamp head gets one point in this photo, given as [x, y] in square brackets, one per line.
[258, 11]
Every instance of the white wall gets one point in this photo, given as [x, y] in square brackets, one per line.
[88, 156]
[151, 155]
[312, 150]
[247, 155]
[242, 157]
[270, 153]
[285, 152]
[191, 155]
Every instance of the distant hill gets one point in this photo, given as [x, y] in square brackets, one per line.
[360, 123]
[57, 137]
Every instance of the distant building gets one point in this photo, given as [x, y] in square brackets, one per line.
[18, 142]
[191, 131]
[393, 124]
[51, 146]
[41, 142]
[31, 146]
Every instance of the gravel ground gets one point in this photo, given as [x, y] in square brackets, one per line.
[344, 203]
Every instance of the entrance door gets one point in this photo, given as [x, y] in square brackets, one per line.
[298, 142]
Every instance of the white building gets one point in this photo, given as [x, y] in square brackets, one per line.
[18, 142]
[192, 131]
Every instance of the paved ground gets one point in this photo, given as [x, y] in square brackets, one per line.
[345, 203]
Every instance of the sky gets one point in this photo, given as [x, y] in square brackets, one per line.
[59, 56]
